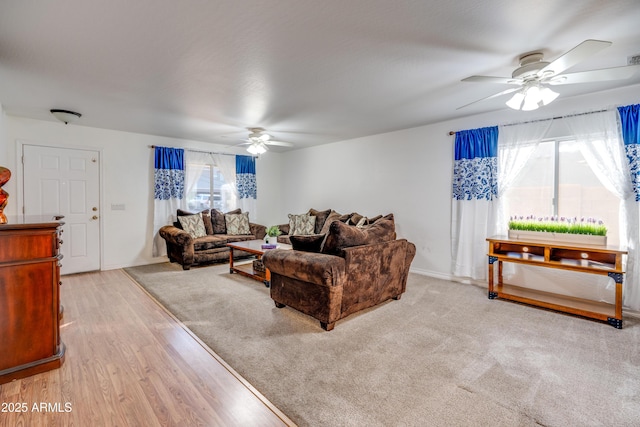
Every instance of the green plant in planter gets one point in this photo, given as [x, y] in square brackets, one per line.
[556, 224]
[273, 231]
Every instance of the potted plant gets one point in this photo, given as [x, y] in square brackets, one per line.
[272, 234]
[585, 230]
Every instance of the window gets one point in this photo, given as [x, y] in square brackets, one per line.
[210, 189]
[558, 181]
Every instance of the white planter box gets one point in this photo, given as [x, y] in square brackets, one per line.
[578, 239]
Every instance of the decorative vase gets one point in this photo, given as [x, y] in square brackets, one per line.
[272, 240]
[5, 175]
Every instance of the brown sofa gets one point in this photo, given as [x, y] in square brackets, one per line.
[187, 250]
[322, 221]
[344, 271]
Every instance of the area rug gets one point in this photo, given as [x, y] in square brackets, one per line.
[443, 355]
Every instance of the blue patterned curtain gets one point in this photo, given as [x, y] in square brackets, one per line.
[630, 125]
[169, 169]
[246, 177]
[475, 170]
[474, 189]
[169, 173]
[630, 121]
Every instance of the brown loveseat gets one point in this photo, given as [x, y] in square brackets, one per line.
[347, 270]
[184, 248]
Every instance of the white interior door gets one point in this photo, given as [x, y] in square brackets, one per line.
[64, 181]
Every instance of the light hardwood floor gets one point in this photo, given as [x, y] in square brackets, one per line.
[131, 363]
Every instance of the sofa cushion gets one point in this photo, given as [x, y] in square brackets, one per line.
[238, 238]
[312, 243]
[210, 242]
[193, 224]
[342, 235]
[237, 224]
[303, 224]
[321, 217]
[218, 221]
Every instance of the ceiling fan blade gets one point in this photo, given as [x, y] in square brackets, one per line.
[504, 92]
[491, 79]
[574, 56]
[279, 143]
[604, 74]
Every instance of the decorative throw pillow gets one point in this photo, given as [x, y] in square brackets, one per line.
[219, 222]
[342, 236]
[311, 243]
[206, 218]
[321, 217]
[237, 224]
[193, 225]
[374, 219]
[302, 225]
[355, 218]
[333, 216]
[345, 218]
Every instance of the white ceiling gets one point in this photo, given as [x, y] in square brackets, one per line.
[309, 71]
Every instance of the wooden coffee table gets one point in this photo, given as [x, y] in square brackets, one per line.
[246, 268]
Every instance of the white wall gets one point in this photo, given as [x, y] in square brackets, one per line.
[407, 172]
[127, 178]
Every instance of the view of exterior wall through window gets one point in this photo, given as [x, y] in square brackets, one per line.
[210, 191]
[557, 181]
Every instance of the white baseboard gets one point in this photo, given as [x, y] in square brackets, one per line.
[444, 276]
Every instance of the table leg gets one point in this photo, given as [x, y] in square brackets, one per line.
[267, 277]
[492, 293]
[230, 260]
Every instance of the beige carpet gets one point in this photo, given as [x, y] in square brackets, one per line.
[443, 355]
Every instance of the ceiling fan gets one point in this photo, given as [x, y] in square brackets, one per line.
[534, 75]
[259, 141]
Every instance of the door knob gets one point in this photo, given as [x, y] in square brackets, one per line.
[94, 217]
[95, 208]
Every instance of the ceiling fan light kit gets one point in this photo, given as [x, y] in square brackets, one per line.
[532, 97]
[257, 148]
[533, 74]
[259, 140]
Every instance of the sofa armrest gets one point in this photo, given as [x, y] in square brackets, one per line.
[176, 236]
[383, 266]
[258, 230]
[321, 269]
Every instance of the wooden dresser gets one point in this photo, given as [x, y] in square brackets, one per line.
[30, 310]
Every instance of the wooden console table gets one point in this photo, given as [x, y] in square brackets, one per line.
[601, 260]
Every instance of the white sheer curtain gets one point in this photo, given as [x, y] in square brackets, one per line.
[196, 162]
[516, 144]
[600, 139]
[227, 166]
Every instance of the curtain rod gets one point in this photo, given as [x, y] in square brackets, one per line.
[542, 120]
[200, 151]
